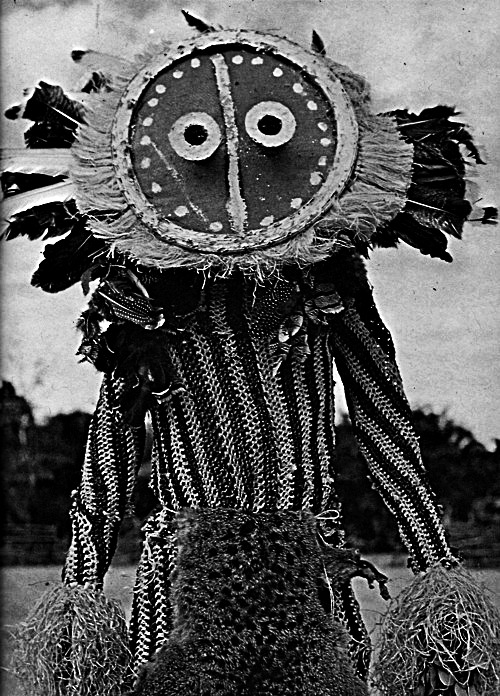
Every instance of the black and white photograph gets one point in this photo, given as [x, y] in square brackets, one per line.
[250, 387]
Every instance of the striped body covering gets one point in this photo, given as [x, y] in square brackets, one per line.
[247, 424]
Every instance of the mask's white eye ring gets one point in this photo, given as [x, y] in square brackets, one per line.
[195, 136]
[270, 123]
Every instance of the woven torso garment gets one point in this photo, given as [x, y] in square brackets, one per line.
[240, 382]
[235, 434]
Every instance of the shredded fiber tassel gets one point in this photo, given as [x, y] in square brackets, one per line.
[73, 643]
[441, 635]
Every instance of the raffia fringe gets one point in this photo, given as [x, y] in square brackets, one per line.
[376, 193]
[442, 634]
[75, 643]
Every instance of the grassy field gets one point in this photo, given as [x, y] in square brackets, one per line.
[22, 586]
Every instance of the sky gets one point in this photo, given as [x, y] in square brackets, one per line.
[444, 317]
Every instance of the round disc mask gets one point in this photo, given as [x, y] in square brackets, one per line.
[234, 142]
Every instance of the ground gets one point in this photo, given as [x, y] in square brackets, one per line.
[22, 586]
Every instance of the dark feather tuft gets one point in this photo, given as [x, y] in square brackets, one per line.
[77, 55]
[318, 44]
[67, 260]
[13, 112]
[428, 240]
[436, 204]
[140, 357]
[197, 23]
[97, 82]
[55, 116]
[50, 220]
[490, 216]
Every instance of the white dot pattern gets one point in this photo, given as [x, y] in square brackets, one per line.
[296, 203]
[155, 188]
[323, 126]
[277, 72]
[181, 210]
[145, 163]
[153, 102]
[316, 178]
[195, 63]
[257, 61]
[238, 60]
[216, 226]
[145, 140]
[325, 142]
[312, 106]
[268, 220]
[177, 74]
[161, 89]
[297, 88]
[147, 121]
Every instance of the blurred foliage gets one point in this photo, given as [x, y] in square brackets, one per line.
[41, 463]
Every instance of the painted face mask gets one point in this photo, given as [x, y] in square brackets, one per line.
[238, 149]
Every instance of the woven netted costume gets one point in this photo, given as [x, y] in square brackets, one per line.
[222, 192]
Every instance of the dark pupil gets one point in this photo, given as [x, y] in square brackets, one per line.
[195, 134]
[269, 125]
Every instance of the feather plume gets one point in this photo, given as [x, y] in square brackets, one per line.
[53, 162]
[488, 215]
[61, 192]
[430, 241]
[55, 115]
[317, 44]
[67, 260]
[44, 222]
[45, 97]
[197, 23]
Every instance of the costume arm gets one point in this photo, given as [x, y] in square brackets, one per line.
[381, 418]
[113, 455]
